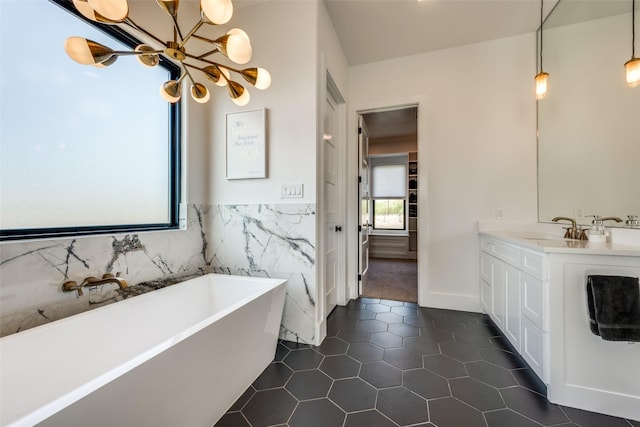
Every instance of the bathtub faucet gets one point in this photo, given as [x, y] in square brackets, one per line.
[106, 278]
[71, 285]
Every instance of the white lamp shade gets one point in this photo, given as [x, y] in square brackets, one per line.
[243, 99]
[264, 79]
[217, 11]
[239, 49]
[171, 91]
[199, 93]
[632, 69]
[148, 60]
[114, 10]
[542, 80]
[86, 52]
[239, 32]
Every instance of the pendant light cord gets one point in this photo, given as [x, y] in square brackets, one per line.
[633, 28]
[541, 22]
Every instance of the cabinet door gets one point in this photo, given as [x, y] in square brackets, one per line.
[485, 297]
[486, 267]
[512, 305]
[498, 294]
[533, 348]
[532, 303]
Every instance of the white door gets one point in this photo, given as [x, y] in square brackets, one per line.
[364, 219]
[332, 227]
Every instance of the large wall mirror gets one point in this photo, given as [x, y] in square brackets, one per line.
[589, 123]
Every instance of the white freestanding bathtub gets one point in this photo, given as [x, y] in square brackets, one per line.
[178, 356]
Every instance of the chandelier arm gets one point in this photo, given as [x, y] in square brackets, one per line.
[177, 28]
[193, 82]
[211, 52]
[204, 39]
[136, 52]
[137, 27]
[211, 63]
[204, 60]
[191, 33]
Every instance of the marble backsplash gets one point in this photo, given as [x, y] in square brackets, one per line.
[255, 240]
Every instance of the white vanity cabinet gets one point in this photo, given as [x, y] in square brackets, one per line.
[534, 289]
[513, 290]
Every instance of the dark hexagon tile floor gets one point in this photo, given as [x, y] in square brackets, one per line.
[388, 364]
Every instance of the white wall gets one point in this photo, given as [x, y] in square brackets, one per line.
[476, 137]
[287, 48]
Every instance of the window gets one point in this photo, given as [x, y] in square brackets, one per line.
[82, 150]
[389, 192]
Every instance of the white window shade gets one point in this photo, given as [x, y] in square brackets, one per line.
[389, 181]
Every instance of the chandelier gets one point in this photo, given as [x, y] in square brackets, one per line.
[235, 45]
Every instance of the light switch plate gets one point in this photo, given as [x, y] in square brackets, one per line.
[291, 191]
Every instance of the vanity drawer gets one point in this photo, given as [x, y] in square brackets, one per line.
[486, 245]
[507, 253]
[533, 263]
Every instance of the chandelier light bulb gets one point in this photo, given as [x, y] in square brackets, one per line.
[542, 80]
[217, 11]
[148, 60]
[264, 79]
[88, 12]
[632, 68]
[106, 62]
[237, 48]
[199, 93]
[171, 91]
[113, 10]
[239, 32]
[87, 52]
[214, 73]
[259, 77]
[223, 81]
[239, 95]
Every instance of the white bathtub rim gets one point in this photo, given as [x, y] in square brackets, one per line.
[77, 392]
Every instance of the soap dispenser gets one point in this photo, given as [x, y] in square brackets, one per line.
[596, 231]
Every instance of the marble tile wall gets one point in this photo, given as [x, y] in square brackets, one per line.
[271, 241]
[256, 240]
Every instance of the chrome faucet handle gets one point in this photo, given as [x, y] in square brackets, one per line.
[71, 285]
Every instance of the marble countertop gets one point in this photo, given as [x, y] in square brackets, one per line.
[551, 243]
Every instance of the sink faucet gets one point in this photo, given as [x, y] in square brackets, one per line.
[71, 285]
[573, 232]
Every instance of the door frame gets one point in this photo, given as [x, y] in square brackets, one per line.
[329, 88]
[353, 241]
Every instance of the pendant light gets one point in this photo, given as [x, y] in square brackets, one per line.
[542, 78]
[632, 66]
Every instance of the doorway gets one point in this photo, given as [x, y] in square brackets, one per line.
[388, 203]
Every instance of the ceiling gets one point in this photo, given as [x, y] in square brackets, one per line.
[378, 30]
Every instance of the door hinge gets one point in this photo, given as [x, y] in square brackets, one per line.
[359, 277]
[359, 131]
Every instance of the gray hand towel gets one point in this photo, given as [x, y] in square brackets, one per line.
[614, 307]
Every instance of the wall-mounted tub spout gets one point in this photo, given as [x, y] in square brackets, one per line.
[93, 281]
[106, 278]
